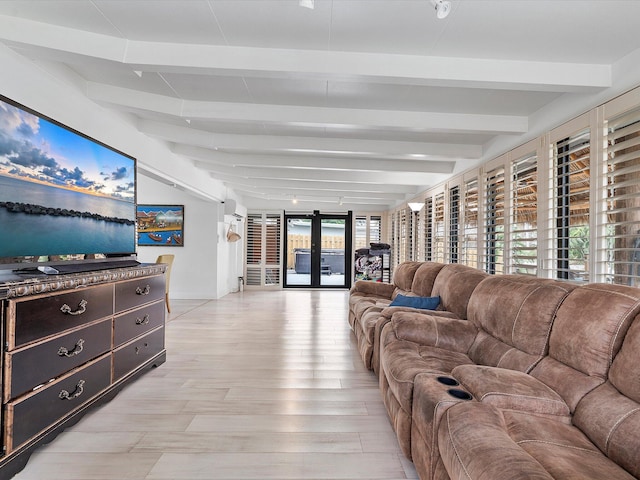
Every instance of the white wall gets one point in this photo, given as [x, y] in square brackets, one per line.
[197, 272]
[194, 272]
[230, 255]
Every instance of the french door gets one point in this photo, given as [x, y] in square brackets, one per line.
[318, 250]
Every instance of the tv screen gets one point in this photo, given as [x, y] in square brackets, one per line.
[62, 194]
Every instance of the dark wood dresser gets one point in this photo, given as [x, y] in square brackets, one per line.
[71, 342]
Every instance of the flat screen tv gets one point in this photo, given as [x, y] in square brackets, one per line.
[64, 196]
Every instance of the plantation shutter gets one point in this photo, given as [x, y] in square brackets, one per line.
[360, 236]
[469, 239]
[571, 184]
[263, 262]
[439, 229]
[454, 224]
[494, 221]
[524, 217]
[428, 229]
[622, 237]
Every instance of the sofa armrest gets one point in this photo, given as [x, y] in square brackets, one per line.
[377, 289]
[510, 390]
[474, 444]
[430, 330]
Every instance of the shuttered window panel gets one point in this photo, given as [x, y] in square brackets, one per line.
[494, 221]
[622, 237]
[263, 250]
[395, 237]
[360, 236]
[524, 216]
[469, 240]
[454, 225]
[418, 233]
[403, 234]
[439, 226]
[368, 229]
[428, 229]
[570, 207]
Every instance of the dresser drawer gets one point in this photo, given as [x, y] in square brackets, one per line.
[130, 356]
[137, 322]
[36, 411]
[33, 365]
[32, 318]
[133, 293]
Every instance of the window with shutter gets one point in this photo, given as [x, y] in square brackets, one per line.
[494, 221]
[263, 262]
[622, 237]
[454, 224]
[439, 229]
[428, 229]
[524, 216]
[571, 185]
[469, 240]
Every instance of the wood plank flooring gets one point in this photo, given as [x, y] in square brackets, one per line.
[257, 385]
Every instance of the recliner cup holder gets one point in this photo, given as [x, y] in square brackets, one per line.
[452, 382]
[460, 394]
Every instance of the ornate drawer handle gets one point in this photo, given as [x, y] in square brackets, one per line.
[82, 307]
[142, 321]
[64, 352]
[64, 395]
[143, 291]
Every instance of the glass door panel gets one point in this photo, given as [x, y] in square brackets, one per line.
[332, 255]
[298, 251]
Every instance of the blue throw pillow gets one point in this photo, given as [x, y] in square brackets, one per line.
[426, 303]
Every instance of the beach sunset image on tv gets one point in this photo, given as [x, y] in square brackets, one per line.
[60, 191]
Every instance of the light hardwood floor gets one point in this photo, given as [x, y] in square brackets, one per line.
[257, 385]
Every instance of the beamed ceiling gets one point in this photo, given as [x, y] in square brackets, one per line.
[355, 104]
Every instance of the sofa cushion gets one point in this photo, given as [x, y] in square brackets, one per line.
[454, 285]
[481, 442]
[610, 414]
[624, 370]
[403, 275]
[587, 334]
[604, 313]
[425, 277]
[515, 313]
[425, 303]
[510, 389]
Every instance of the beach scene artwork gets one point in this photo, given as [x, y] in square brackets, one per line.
[61, 192]
[160, 225]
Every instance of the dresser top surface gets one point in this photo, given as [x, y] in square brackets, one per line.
[14, 284]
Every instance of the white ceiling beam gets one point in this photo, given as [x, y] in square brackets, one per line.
[315, 199]
[296, 190]
[275, 143]
[378, 67]
[294, 114]
[294, 174]
[327, 186]
[316, 163]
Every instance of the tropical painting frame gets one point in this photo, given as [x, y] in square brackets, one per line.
[160, 225]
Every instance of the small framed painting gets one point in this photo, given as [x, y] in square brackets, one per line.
[160, 225]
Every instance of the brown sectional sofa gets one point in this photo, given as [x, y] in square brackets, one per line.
[541, 381]
[369, 302]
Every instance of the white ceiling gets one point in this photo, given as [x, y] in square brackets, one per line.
[361, 103]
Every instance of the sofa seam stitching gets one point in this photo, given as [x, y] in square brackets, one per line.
[453, 445]
[513, 327]
[504, 394]
[557, 444]
[617, 425]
